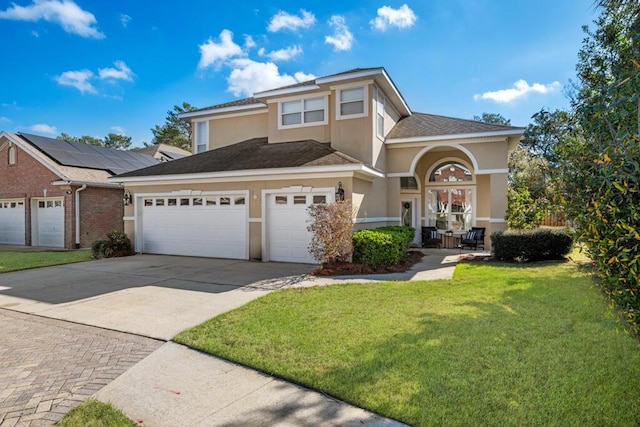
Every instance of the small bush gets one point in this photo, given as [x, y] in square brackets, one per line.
[382, 246]
[531, 245]
[117, 244]
[332, 227]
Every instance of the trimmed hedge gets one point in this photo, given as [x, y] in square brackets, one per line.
[117, 244]
[531, 245]
[382, 246]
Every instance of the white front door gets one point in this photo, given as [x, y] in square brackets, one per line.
[410, 217]
[287, 219]
[47, 222]
[12, 228]
[206, 225]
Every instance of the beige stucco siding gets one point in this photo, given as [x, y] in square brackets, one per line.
[227, 131]
[490, 155]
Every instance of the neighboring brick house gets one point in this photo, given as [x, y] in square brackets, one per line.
[56, 193]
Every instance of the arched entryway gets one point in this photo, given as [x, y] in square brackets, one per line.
[450, 190]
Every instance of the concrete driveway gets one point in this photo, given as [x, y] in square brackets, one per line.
[152, 295]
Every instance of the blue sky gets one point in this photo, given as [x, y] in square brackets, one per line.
[94, 67]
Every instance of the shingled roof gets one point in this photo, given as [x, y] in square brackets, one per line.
[420, 124]
[251, 154]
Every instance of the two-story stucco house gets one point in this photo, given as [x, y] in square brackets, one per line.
[261, 161]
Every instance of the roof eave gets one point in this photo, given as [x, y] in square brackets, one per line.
[286, 91]
[87, 183]
[208, 112]
[501, 133]
[357, 168]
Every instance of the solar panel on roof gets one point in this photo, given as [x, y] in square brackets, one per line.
[90, 156]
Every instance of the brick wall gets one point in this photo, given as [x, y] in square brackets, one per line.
[101, 209]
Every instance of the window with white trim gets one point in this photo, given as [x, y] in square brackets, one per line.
[303, 112]
[202, 136]
[352, 102]
[380, 100]
[12, 155]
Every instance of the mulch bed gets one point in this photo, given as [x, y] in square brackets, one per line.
[347, 269]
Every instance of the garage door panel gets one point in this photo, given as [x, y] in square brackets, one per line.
[12, 222]
[196, 229]
[288, 237]
[48, 222]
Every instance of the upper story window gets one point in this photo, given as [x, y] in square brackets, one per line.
[202, 136]
[303, 112]
[380, 100]
[352, 102]
[12, 155]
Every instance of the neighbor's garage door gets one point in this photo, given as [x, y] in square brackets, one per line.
[287, 219]
[48, 223]
[12, 229]
[208, 226]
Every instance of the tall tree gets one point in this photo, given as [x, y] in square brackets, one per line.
[175, 131]
[84, 139]
[601, 159]
[114, 140]
[495, 118]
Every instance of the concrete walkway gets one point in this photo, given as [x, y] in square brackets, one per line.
[158, 296]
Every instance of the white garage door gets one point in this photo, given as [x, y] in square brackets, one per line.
[207, 226]
[287, 218]
[48, 223]
[12, 222]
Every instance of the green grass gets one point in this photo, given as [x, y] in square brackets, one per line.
[93, 413]
[498, 345]
[18, 260]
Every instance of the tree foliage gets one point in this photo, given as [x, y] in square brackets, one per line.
[175, 131]
[600, 160]
[112, 140]
[332, 229]
[494, 118]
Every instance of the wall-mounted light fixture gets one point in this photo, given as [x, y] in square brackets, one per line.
[127, 199]
[339, 192]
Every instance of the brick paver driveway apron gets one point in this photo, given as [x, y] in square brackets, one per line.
[49, 366]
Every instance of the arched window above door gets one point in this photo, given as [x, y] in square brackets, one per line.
[450, 171]
[12, 155]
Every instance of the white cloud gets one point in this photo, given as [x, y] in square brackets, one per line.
[120, 72]
[118, 129]
[248, 77]
[125, 19]
[212, 53]
[403, 17]
[284, 21]
[520, 89]
[281, 54]
[342, 39]
[78, 79]
[43, 128]
[35, 34]
[249, 43]
[4, 119]
[66, 13]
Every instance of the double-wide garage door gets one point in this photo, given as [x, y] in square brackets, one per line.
[12, 217]
[208, 226]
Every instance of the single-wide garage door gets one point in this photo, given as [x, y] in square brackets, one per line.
[288, 238]
[207, 226]
[48, 223]
[12, 230]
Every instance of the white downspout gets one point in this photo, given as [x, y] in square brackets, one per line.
[84, 186]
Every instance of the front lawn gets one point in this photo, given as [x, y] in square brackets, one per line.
[93, 413]
[18, 260]
[497, 345]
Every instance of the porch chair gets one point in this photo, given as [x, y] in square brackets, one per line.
[473, 238]
[430, 236]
